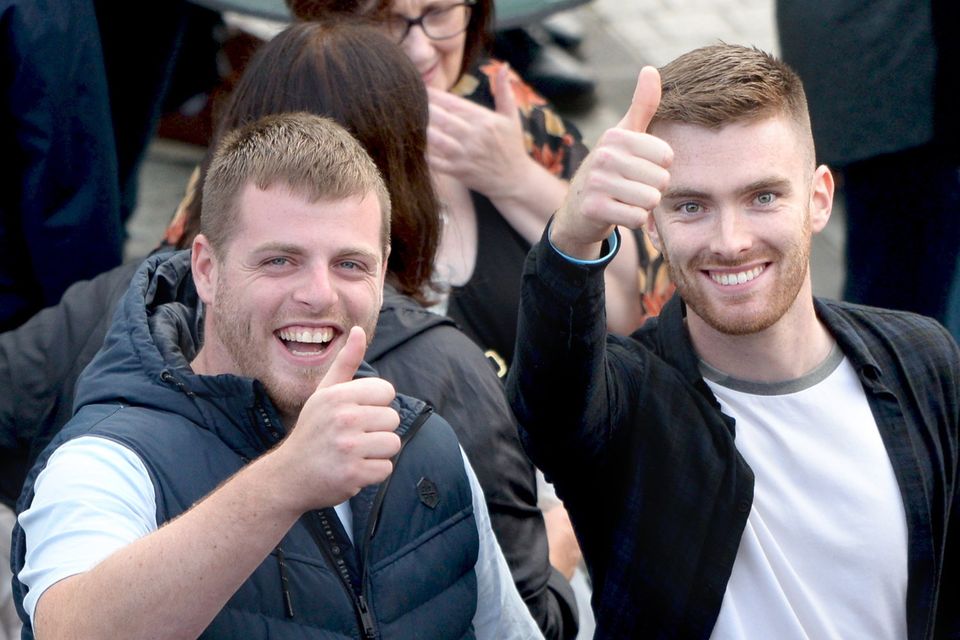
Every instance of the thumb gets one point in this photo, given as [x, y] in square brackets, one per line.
[345, 365]
[646, 99]
[503, 99]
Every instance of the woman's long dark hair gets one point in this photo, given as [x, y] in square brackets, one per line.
[355, 75]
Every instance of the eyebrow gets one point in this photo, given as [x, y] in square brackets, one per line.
[765, 184]
[293, 249]
[279, 247]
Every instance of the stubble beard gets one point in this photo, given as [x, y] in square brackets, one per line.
[792, 265]
[236, 333]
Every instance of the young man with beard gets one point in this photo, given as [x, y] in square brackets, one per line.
[755, 463]
[254, 483]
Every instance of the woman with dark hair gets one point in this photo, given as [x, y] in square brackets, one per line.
[501, 159]
[356, 76]
[379, 101]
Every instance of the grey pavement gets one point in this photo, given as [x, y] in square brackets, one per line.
[621, 36]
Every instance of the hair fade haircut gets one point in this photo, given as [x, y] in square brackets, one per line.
[721, 84]
[314, 156]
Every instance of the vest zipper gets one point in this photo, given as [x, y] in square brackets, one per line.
[321, 532]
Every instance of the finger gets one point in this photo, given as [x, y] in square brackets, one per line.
[379, 446]
[375, 471]
[363, 392]
[618, 213]
[646, 99]
[449, 129]
[442, 146]
[345, 365]
[453, 103]
[639, 145]
[505, 103]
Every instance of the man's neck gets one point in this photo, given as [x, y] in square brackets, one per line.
[793, 346]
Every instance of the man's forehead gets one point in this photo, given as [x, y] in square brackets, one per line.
[269, 210]
[741, 152]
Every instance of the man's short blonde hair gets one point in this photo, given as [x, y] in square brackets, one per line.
[313, 156]
[722, 84]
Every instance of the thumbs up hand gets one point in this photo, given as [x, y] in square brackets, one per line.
[620, 182]
[344, 438]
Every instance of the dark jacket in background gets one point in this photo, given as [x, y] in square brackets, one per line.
[647, 466]
[880, 76]
[59, 214]
[412, 562]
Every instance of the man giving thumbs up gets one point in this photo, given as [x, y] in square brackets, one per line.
[262, 482]
[755, 462]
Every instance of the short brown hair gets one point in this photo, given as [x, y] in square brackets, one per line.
[720, 84]
[313, 156]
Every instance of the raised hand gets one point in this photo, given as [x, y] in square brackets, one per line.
[482, 148]
[620, 182]
[344, 438]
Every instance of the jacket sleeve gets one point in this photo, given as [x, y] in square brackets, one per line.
[564, 384]
[39, 365]
[443, 367]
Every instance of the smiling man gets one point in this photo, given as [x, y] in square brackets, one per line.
[754, 463]
[233, 482]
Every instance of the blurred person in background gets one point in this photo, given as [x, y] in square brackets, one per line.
[883, 84]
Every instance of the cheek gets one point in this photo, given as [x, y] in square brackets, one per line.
[452, 56]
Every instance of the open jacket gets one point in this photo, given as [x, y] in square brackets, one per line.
[647, 464]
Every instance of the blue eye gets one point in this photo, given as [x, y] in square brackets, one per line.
[690, 208]
[766, 198]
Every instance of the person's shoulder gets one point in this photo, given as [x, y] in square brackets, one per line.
[903, 334]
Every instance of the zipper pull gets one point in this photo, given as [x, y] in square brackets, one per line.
[369, 631]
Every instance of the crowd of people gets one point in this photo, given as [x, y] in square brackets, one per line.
[398, 287]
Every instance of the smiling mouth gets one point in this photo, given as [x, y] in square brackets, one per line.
[730, 279]
[306, 341]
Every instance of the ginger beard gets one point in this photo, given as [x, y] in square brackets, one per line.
[732, 314]
[288, 388]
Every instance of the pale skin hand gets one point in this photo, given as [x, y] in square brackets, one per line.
[484, 150]
[173, 582]
[565, 553]
[620, 182]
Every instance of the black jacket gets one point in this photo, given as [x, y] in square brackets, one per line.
[422, 354]
[647, 464]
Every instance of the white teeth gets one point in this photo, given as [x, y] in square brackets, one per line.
[736, 278]
[314, 336]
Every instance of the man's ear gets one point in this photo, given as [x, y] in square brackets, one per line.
[205, 267]
[653, 232]
[821, 198]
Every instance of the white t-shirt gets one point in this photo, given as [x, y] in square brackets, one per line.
[824, 552]
[95, 497]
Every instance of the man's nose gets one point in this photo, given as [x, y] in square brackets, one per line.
[316, 288]
[732, 235]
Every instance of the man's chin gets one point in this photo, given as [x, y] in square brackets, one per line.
[734, 321]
